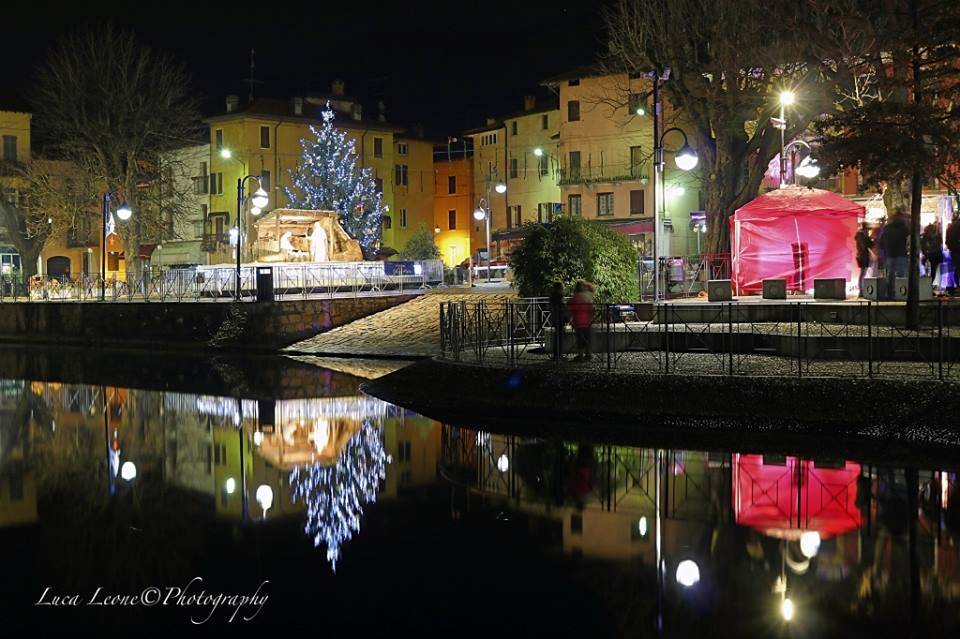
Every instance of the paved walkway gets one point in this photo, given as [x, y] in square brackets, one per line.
[411, 329]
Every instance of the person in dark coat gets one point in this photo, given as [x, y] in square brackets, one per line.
[864, 243]
[953, 245]
[896, 233]
[932, 248]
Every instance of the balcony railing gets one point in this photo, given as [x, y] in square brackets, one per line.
[9, 168]
[214, 241]
[606, 173]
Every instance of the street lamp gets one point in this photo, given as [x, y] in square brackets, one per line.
[259, 200]
[686, 159]
[786, 99]
[484, 211]
[808, 167]
[124, 213]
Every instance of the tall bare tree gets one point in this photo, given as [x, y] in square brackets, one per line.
[728, 61]
[114, 107]
[907, 130]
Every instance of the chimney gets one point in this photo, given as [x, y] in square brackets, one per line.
[491, 121]
[337, 87]
[418, 131]
[298, 105]
[529, 102]
[381, 111]
[356, 111]
[233, 103]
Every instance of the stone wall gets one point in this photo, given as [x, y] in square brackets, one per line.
[221, 325]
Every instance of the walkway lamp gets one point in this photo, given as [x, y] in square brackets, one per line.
[259, 200]
[787, 98]
[484, 212]
[686, 159]
[124, 213]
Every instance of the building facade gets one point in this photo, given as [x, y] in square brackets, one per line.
[455, 201]
[414, 187]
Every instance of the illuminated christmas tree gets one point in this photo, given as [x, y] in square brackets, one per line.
[329, 178]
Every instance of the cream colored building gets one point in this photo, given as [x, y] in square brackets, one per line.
[414, 186]
[522, 151]
[183, 240]
[606, 158]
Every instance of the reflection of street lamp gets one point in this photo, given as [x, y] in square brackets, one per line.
[124, 213]
[787, 609]
[128, 471]
[264, 497]
[688, 573]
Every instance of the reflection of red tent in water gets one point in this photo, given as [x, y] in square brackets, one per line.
[786, 497]
[795, 233]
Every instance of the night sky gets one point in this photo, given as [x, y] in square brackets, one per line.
[447, 68]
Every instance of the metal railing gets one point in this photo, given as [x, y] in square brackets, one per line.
[800, 339]
[290, 281]
[683, 276]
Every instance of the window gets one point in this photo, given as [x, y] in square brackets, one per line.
[573, 83]
[573, 110]
[637, 202]
[265, 180]
[378, 184]
[9, 148]
[545, 122]
[219, 454]
[403, 218]
[636, 104]
[604, 204]
[387, 223]
[575, 206]
[576, 524]
[218, 137]
[452, 219]
[574, 165]
[264, 137]
[514, 168]
[401, 177]
[513, 127]
[543, 165]
[636, 161]
[545, 211]
[451, 184]
[402, 148]
[216, 184]
[518, 218]
[378, 147]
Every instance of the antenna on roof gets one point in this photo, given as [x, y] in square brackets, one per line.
[251, 79]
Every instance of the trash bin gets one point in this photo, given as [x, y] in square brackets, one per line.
[264, 283]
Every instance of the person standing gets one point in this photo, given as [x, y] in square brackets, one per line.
[580, 308]
[953, 245]
[864, 243]
[932, 248]
[895, 236]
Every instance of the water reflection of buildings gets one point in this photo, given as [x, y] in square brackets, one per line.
[726, 511]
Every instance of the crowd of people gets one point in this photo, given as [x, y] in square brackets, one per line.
[884, 250]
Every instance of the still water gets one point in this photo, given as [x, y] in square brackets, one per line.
[161, 498]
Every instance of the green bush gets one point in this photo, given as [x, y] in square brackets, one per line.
[420, 246]
[571, 249]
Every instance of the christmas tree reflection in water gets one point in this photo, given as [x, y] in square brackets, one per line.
[335, 495]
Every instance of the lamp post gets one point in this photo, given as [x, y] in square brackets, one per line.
[484, 212]
[686, 159]
[124, 213]
[808, 167]
[259, 200]
[786, 99]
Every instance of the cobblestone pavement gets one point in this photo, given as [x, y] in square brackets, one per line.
[411, 329]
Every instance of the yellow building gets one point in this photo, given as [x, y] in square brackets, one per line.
[520, 151]
[414, 186]
[606, 157]
[263, 138]
[15, 152]
[454, 205]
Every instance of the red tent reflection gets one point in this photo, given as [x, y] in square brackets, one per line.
[786, 496]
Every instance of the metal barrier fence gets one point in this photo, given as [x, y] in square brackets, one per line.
[797, 339]
[290, 281]
[682, 276]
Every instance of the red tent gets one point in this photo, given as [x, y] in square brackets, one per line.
[795, 233]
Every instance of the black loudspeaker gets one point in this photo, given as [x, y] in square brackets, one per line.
[774, 289]
[873, 288]
[719, 291]
[900, 289]
[834, 288]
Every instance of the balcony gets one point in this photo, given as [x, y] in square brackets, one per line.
[81, 239]
[11, 168]
[604, 174]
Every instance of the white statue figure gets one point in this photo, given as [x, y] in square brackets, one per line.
[318, 244]
[286, 246]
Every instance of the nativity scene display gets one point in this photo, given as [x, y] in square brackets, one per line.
[296, 235]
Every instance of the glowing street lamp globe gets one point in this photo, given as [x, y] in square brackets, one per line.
[688, 573]
[538, 152]
[500, 187]
[128, 471]
[686, 159]
[231, 485]
[810, 543]
[124, 211]
[503, 463]
[264, 496]
[479, 214]
[260, 198]
[787, 98]
[787, 609]
[226, 154]
[255, 211]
